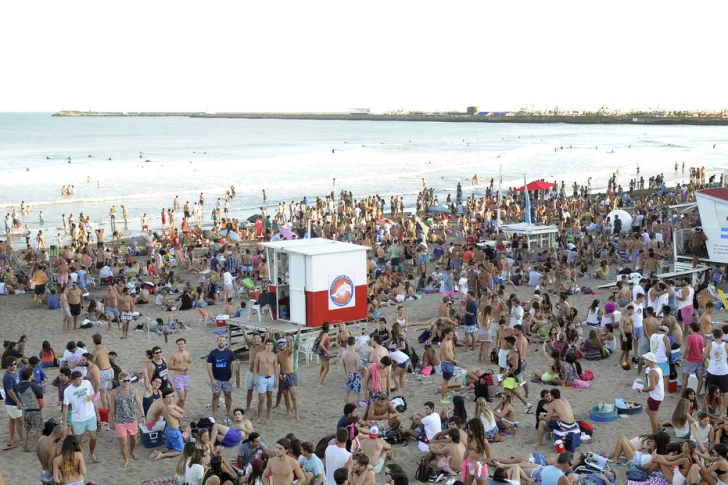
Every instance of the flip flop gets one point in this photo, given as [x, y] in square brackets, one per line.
[10, 446]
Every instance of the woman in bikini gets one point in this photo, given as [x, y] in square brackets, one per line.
[682, 468]
[554, 369]
[477, 454]
[719, 465]
[69, 467]
[505, 413]
[485, 322]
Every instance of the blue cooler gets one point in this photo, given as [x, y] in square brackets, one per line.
[572, 441]
[151, 439]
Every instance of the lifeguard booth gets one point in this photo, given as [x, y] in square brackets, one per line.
[317, 280]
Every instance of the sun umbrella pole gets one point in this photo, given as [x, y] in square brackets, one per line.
[500, 181]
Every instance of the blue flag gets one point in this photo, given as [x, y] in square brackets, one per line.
[528, 201]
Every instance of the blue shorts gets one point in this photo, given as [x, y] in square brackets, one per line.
[404, 364]
[222, 386]
[353, 382]
[266, 383]
[248, 268]
[232, 438]
[639, 332]
[88, 425]
[425, 257]
[537, 459]
[174, 439]
[448, 368]
[249, 381]
[664, 367]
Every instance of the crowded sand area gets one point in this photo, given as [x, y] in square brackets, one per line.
[320, 408]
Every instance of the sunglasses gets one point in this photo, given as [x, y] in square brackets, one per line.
[125, 380]
[157, 352]
[13, 364]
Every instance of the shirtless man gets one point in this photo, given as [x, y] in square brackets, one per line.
[255, 345]
[675, 330]
[180, 361]
[375, 448]
[522, 347]
[111, 303]
[93, 374]
[378, 352]
[172, 415]
[126, 307]
[351, 364]
[559, 415]
[63, 272]
[265, 377]
[235, 433]
[361, 472]
[650, 324]
[289, 378]
[283, 469]
[74, 302]
[40, 279]
[46, 452]
[626, 329]
[65, 310]
[383, 413]
[106, 372]
[706, 321]
[697, 239]
[447, 355]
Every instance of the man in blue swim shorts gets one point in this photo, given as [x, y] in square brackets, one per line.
[234, 434]
[350, 360]
[173, 436]
[266, 372]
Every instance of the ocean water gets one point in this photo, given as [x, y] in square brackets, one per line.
[291, 159]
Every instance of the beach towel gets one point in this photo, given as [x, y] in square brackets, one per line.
[160, 481]
[374, 378]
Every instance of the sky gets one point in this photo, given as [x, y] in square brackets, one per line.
[329, 56]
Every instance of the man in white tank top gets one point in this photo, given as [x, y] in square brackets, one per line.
[716, 352]
[657, 298]
[655, 387]
[660, 346]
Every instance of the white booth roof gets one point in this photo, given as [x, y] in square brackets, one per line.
[315, 246]
[523, 228]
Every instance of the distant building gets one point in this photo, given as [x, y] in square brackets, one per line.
[359, 111]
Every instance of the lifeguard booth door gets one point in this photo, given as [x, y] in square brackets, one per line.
[297, 280]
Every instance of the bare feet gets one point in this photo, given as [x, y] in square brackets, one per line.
[126, 463]
[135, 456]
[93, 457]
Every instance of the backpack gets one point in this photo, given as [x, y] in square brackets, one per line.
[316, 345]
[395, 437]
[321, 446]
[587, 375]
[493, 357]
[423, 471]
[586, 427]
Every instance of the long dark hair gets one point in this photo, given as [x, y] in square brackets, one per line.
[69, 448]
[662, 439]
[477, 433]
[458, 404]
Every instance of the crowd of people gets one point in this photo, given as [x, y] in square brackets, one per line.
[652, 318]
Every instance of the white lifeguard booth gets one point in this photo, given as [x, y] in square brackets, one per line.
[318, 280]
[537, 235]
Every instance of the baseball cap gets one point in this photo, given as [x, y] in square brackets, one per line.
[663, 328]
[650, 356]
[374, 432]
[445, 299]
[281, 343]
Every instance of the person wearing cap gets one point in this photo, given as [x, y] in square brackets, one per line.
[660, 346]
[375, 448]
[655, 387]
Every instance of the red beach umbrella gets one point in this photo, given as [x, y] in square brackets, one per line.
[537, 185]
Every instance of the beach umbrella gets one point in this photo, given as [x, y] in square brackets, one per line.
[253, 218]
[537, 185]
[440, 208]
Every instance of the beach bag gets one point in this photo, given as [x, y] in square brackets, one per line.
[423, 471]
[316, 345]
[587, 375]
[399, 403]
[673, 371]
[426, 371]
[395, 437]
[481, 390]
[586, 427]
[493, 357]
[636, 473]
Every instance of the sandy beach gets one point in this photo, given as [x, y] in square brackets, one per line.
[320, 408]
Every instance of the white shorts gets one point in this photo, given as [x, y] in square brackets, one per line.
[13, 412]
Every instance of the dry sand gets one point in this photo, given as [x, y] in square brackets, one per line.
[320, 409]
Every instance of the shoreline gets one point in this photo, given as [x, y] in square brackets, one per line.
[637, 119]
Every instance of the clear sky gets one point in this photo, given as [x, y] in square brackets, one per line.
[384, 55]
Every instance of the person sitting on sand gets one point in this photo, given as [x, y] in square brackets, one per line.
[505, 412]
[554, 367]
[234, 434]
